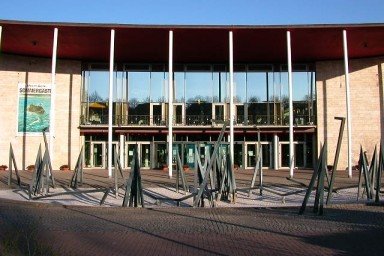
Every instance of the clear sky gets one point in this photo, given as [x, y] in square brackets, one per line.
[212, 12]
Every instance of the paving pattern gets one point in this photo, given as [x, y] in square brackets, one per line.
[252, 226]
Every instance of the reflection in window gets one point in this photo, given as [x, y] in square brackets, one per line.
[159, 86]
[220, 86]
[179, 87]
[240, 87]
[199, 86]
[257, 87]
[97, 83]
[98, 86]
[138, 86]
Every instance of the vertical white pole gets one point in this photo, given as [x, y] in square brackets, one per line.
[349, 127]
[1, 31]
[291, 148]
[231, 112]
[53, 94]
[121, 149]
[110, 102]
[170, 103]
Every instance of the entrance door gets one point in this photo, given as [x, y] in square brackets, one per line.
[251, 152]
[238, 155]
[189, 155]
[300, 156]
[250, 155]
[144, 151]
[145, 155]
[284, 154]
[161, 155]
[115, 149]
[130, 148]
[98, 154]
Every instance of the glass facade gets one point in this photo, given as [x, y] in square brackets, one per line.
[201, 92]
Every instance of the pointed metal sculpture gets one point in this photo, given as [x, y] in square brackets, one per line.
[212, 161]
[364, 173]
[133, 188]
[336, 159]
[117, 169]
[379, 171]
[180, 175]
[319, 174]
[77, 176]
[50, 169]
[12, 163]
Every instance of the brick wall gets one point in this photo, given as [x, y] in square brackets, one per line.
[17, 69]
[366, 84]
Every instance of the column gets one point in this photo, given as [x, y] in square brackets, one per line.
[1, 30]
[275, 151]
[121, 149]
[110, 102]
[231, 110]
[349, 127]
[53, 95]
[170, 103]
[291, 148]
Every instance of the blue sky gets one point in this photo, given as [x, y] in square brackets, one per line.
[214, 12]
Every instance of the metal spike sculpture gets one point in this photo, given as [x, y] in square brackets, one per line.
[180, 175]
[379, 171]
[12, 163]
[227, 189]
[336, 159]
[117, 169]
[77, 176]
[202, 189]
[319, 174]
[42, 169]
[258, 171]
[133, 188]
[364, 173]
[50, 169]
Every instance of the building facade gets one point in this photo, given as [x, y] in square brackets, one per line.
[107, 88]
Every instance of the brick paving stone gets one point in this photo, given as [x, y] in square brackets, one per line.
[354, 229]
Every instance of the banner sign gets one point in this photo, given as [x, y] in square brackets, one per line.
[34, 108]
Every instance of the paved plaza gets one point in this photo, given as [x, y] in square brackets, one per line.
[266, 225]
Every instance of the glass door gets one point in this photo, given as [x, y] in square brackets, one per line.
[189, 155]
[145, 155]
[130, 148]
[284, 154]
[266, 148]
[300, 154]
[98, 154]
[250, 155]
[238, 155]
[115, 150]
[161, 155]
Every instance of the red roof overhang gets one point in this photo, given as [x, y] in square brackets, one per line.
[192, 44]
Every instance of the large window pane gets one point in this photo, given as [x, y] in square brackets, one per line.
[98, 86]
[301, 89]
[159, 86]
[257, 86]
[138, 86]
[239, 87]
[179, 87]
[220, 87]
[199, 86]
